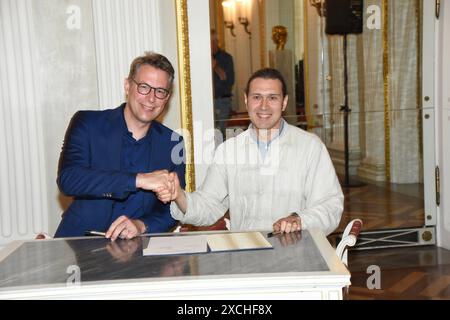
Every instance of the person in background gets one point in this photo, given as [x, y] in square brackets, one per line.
[223, 78]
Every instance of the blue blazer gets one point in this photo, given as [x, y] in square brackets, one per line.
[89, 170]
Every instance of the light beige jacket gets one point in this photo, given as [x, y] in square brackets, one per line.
[296, 175]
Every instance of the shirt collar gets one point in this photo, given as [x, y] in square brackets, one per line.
[277, 133]
[129, 135]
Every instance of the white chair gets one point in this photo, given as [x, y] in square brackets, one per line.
[349, 238]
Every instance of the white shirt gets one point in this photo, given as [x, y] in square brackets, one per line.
[296, 175]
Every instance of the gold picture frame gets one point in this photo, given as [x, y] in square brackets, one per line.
[184, 71]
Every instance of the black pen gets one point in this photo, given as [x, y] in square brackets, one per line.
[95, 233]
[273, 233]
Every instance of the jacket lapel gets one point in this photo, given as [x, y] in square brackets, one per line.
[113, 134]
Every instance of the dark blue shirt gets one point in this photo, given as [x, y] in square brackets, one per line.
[223, 88]
[135, 158]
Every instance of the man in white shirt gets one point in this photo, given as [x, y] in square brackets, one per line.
[272, 176]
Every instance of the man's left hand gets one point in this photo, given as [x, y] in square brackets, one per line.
[288, 224]
[125, 228]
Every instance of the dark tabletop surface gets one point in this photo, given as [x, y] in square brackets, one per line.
[52, 262]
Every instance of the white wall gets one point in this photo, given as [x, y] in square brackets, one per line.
[68, 79]
[48, 72]
[443, 118]
[201, 86]
[57, 57]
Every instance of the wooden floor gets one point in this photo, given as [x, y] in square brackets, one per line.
[405, 273]
[384, 206]
[421, 272]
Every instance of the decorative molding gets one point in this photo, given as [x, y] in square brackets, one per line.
[184, 72]
[23, 205]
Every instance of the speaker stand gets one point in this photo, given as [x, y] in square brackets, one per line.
[348, 182]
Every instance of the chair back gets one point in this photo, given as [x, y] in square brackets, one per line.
[349, 238]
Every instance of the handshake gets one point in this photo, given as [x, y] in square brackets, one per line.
[165, 184]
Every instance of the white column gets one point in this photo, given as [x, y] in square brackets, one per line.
[23, 206]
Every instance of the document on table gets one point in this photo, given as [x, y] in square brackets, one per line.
[176, 245]
[237, 241]
[200, 243]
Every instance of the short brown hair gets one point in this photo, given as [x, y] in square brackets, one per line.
[155, 60]
[268, 73]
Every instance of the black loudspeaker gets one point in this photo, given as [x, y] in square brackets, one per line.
[344, 16]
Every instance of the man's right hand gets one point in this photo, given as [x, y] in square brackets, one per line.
[173, 192]
[153, 180]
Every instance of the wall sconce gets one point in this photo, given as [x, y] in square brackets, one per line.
[228, 6]
[319, 5]
[245, 23]
[243, 13]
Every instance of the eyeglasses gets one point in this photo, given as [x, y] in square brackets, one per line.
[145, 89]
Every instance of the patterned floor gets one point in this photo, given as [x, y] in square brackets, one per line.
[412, 273]
[384, 207]
[405, 273]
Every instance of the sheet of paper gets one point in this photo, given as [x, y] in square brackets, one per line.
[237, 241]
[176, 245]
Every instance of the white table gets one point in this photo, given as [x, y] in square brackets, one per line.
[301, 266]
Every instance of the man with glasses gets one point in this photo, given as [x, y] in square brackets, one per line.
[112, 160]
[272, 176]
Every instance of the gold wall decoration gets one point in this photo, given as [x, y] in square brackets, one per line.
[419, 10]
[279, 36]
[308, 107]
[184, 71]
[386, 83]
[262, 32]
